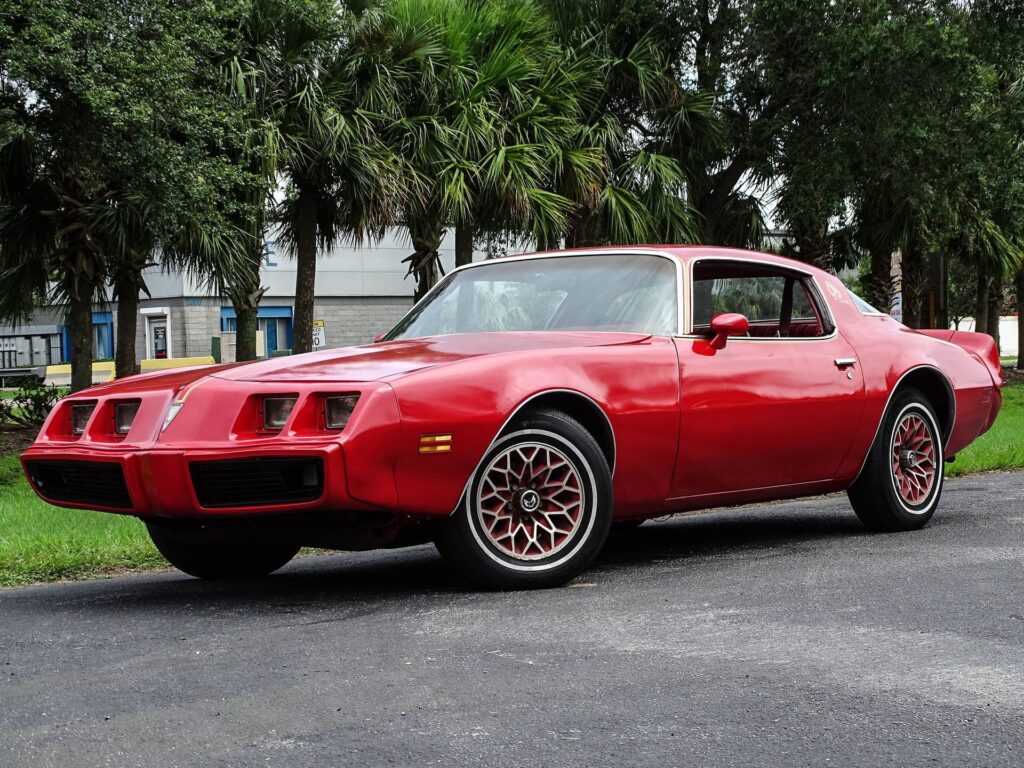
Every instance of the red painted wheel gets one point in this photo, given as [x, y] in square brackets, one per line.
[536, 511]
[913, 459]
[530, 501]
[901, 481]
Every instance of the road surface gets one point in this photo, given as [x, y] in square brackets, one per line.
[775, 635]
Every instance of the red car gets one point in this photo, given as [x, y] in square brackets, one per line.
[527, 404]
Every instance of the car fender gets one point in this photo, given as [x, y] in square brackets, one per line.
[964, 377]
[468, 404]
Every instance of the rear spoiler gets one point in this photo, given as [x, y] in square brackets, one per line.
[981, 345]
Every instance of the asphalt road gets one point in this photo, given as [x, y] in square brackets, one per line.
[768, 636]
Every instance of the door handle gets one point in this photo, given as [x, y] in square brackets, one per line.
[845, 362]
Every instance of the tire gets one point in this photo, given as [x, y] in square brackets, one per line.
[517, 528]
[901, 482]
[205, 559]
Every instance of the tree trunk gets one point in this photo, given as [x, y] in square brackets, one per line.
[913, 280]
[1020, 320]
[811, 240]
[426, 238]
[463, 243]
[879, 282]
[305, 271]
[981, 304]
[941, 290]
[127, 288]
[245, 298]
[81, 333]
[995, 307]
[245, 331]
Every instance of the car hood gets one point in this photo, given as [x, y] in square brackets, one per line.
[373, 362]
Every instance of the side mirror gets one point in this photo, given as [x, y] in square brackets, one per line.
[726, 325]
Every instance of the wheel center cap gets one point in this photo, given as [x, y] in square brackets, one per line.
[908, 459]
[527, 500]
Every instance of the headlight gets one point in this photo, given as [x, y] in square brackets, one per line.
[338, 410]
[80, 414]
[124, 415]
[276, 411]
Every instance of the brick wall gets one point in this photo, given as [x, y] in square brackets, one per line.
[358, 320]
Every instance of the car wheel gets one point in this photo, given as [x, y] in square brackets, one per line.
[900, 484]
[211, 560]
[536, 511]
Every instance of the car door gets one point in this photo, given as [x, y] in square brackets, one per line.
[778, 407]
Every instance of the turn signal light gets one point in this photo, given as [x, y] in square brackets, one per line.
[80, 413]
[435, 443]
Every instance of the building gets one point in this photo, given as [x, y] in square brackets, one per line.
[361, 292]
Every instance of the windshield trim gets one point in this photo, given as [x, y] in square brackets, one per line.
[678, 265]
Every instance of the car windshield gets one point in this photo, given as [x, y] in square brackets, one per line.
[635, 293]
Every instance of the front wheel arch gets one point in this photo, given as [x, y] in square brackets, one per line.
[576, 405]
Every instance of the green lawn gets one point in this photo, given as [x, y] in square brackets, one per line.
[39, 542]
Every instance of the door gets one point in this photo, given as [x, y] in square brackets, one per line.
[775, 408]
[157, 338]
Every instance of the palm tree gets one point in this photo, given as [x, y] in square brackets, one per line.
[52, 231]
[480, 129]
[310, 75]
[630, 165]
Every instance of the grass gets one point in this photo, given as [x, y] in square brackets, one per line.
[39, 542]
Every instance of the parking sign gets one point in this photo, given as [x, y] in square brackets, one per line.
[319, 335]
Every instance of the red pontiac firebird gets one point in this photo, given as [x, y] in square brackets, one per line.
[526, 405]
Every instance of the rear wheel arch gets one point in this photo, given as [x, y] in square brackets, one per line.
[934, 385]
[580, 407]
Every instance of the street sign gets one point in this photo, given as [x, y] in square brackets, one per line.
[319, 335]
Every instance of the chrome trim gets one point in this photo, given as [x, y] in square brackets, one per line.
[819, 295]
[521, 406]
[627, 251]
[845, 362]
[952, 420]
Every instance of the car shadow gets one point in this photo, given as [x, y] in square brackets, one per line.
[358, 581]
[726, 532]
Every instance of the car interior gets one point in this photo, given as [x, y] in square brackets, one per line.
[779, 303]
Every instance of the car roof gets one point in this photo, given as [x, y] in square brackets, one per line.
[684, 253]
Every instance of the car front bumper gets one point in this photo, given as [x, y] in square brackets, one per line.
[193, 483]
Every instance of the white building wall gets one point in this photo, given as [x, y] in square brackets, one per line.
[1007, 334]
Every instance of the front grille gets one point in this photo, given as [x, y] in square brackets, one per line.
[80, 482]
[257, 482]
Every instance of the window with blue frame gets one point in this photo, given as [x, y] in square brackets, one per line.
[275, 322]
[102, 337]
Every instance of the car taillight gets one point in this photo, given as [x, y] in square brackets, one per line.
[80, 413]
[124, 415]
[338, 410]
[276, 411]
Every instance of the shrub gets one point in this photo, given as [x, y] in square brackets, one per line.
[31, 404]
